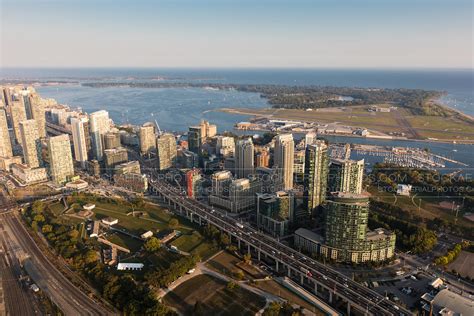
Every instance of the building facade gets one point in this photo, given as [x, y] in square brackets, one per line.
[99, 125]
[346, 175]
[166, 151]
[79, 139]
[284, 158]
[60, 159]
[244, 156]
[315, 176]
[5, 142]
[31, 143]
[147, 138]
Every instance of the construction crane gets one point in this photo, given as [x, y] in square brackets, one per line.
[157, 125]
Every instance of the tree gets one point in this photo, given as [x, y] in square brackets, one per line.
[272, 310]
[231, 285]
[173, 223]
[90, 257]
[248, 258]
[47, 229]
[199, 309]
[38, 218]
[239, 274]
[38, 207]
[152, 244]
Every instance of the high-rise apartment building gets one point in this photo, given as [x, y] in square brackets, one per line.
[166, 151]
[5, 143]
[284, 158]
[112, 140]
[147, 138]
[99, 124]
[79, 138]
[315, 176]
[346, 175]
[244, 156]
[60, 158]
[225, 146]
[18, 114]
[113, 157]
[31, 143]
[275, 212]
[298, 165]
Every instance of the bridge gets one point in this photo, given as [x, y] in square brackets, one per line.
[323, 281]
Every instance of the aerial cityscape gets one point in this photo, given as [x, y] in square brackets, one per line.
[169, 171]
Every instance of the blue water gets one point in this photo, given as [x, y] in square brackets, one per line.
[177, 108]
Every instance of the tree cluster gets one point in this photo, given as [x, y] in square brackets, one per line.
[164, 277]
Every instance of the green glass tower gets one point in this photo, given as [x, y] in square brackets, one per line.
[315, 176]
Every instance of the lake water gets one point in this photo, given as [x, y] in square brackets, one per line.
[177, 108]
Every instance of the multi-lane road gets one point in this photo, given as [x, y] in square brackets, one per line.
[338, 284]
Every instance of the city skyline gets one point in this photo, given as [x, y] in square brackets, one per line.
[281, 34]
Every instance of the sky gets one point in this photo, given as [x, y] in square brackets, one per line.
[230, 33]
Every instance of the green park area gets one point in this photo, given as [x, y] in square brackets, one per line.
[214, 297]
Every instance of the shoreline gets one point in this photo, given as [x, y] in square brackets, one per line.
[238, 111]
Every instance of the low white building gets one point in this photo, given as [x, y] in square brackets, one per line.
[110, 221]
[404, 189]
[146, 235]
[129, 266]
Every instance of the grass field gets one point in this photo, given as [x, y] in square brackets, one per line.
[163, 258]
[463, 264]
[275, 288]
[400, 120]
[214, 296]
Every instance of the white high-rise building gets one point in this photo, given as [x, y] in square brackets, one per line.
[79, 139]
[284, 156]
[225, 146]
[244, 155]
[31, 143]
[5, 143]
[147, 138]
[60, 158]
[99, 125]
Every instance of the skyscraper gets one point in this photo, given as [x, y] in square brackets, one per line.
[18, 114]
[315, 176]
[195, 139]
[31, 143]
[244, 155]
[166, 150]
[60, 158]
[284, 158]
[147, 138]
[79, 139]
[99, 125]
[111, 140]
[5, 143]
[346, 175]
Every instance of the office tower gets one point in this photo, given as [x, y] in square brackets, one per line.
[315, 175]
[5, 143]
[31, 143]
[262, 159]
[244, 155]
[225, 146]
[18, 114]
[233, 195]
[270, 179]
[111, 140]
[275, 212]
[220, 182]
[195, 139]
[188, 159]
[147, 138]
[298, 165]
[284, 158]
[60, 158]
[79, 138]
[166, 151]
[310, 138]
[346, 176]
[99, 124]
[113, 157]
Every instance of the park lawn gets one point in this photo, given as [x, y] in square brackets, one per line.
[56, 208]
[187, 242]
[226, 263]
[163, 258]
[125, 241]
[273, 287]
[214, 296]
